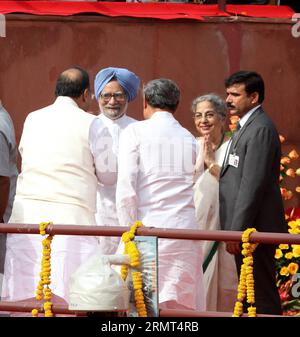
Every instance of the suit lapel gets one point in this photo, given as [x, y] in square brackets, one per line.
[233, 144]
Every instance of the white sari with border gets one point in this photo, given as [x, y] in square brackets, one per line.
[220, 276]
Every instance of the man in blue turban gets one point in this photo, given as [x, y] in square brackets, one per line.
[114, 88]
[127, 79]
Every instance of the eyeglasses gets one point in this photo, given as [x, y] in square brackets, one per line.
[207, 115]
[118, 96]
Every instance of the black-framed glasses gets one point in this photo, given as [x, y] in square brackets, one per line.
[118, 96]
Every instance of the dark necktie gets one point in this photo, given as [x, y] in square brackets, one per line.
[235, 134]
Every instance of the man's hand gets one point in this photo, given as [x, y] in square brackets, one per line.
[233, 247]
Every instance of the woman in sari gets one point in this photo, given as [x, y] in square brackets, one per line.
[209, 112]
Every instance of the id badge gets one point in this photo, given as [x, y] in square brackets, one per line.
[233, 160]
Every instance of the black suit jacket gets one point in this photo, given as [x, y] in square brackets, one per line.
[250, 193]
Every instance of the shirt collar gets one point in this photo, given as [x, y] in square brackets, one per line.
[112, 121]
[65, 100]
[162, 114]
[244, 119]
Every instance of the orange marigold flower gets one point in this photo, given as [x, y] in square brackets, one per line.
[234, 119]
[284, 271]
[297, 189]
[278, 254]
[288, 195]
[283, 191]
[285, 160]
[232, 127]
[282, 139]
[293, 154]
[293, 268]
[290, 172]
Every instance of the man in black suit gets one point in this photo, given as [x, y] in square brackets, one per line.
[249, 183]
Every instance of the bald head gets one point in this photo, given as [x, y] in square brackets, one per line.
[72, 83]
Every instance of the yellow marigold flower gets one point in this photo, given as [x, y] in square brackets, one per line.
[47, 305]
[296, 250]
[284, 271]
[289, 255]
[298, 171]
[138, 223]
[34, 312]
[284, 246]
[293, 268]
[127, 236]
[252, 312]
[297, 189]
[293, 155]
[293, 224]
[295, 230]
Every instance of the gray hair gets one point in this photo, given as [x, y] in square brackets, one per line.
[216, 101]
[162, 93]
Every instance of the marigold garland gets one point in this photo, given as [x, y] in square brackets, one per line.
[134, 255]
[43, 289]
[246, 282]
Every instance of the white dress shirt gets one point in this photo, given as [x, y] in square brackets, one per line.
[106, 195]
[155, 179]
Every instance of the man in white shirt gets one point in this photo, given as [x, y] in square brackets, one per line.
[64, 153]
[114, 89]
[155, 178]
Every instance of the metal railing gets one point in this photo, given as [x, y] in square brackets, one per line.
[181, 234]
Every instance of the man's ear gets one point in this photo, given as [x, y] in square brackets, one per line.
[145, 104]
[255, 97]
[86, 94]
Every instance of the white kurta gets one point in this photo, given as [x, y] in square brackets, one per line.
[61, 148]
[220, 277]
[106, 195]
[155, 179]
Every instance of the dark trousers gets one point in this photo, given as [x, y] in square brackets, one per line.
[267, 299]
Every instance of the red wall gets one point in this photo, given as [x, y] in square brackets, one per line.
[197, 55]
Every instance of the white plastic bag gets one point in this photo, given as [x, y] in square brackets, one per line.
[95, 286]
